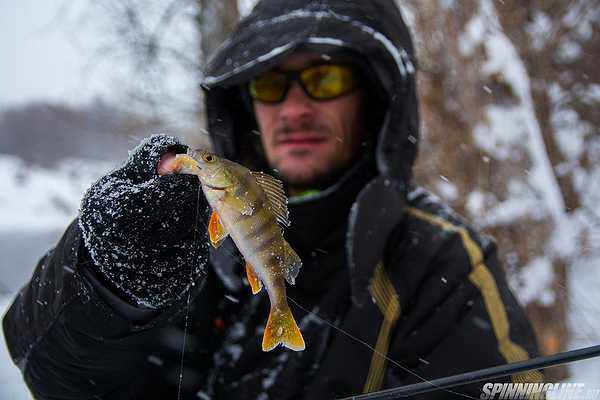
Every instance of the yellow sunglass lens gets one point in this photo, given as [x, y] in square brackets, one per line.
[269, 87]
[328, 81]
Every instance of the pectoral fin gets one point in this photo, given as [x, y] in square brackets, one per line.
[292, 263]
[216, 232]
[255, 283]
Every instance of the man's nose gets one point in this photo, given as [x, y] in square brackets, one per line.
[296, 104]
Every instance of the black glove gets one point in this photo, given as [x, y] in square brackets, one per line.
[144, 232]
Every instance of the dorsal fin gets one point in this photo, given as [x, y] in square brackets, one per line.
[276, 197]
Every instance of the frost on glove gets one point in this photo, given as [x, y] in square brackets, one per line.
[140, 228]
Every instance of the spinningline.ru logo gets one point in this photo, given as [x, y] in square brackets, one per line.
[562, 391]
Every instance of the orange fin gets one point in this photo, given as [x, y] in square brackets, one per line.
[281, 328]
[255, 283]
[216, 231]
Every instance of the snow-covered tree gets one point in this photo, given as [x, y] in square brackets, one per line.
[508, 92]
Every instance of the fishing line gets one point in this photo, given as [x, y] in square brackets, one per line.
[425, 380]
[588, 334]
[189, 295]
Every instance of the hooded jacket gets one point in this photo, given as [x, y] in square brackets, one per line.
[394, 289]
[375, 31]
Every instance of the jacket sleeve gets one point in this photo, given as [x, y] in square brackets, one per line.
[72, 337]
[458, 313]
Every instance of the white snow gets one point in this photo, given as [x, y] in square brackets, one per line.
[448, 4]
[37, 199]
[535, 282]
[513, 128]
[231, 298]
[447, 189]
[405, 66]
[569, 129]
[591, 93]
[408, 13]
[505, 60]
[155, 360]
[569, 51]
[245, 6]
[580, 19]
[502, 133]
[584, 324]
[310, 318]
[521, 203]
[271, 375]
[202, 395]
[515, 125]
[326, 40]
[213, 80]
[475, 203]
[539, 30]
[234, 350]
[472, 37]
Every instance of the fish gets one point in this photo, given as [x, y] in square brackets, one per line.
[251, 208]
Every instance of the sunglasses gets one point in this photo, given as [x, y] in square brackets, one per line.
[319, 82]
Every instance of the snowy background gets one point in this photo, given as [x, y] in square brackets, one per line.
[47, 62]
[36, 204]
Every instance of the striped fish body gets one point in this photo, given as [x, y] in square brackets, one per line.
[243, 211]
[249, 207]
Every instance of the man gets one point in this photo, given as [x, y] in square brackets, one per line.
[394, 287]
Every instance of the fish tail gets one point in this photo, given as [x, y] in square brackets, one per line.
[282, 328]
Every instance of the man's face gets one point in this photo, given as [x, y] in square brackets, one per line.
[306, 140]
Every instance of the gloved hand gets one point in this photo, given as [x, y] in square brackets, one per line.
[140, 228]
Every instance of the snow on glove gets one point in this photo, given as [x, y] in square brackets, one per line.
[140, 228]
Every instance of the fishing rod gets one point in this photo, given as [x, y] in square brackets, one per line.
[482, 374]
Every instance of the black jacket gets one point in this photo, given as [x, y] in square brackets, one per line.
[438, 305]
[394, 287]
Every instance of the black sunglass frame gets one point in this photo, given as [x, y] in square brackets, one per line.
[295, 76]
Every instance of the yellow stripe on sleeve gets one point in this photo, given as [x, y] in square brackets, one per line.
[387, 300]
[483, 279]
